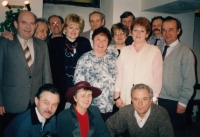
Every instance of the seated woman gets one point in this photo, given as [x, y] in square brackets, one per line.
[64, 53]
[98, 67]
[81, 119]
[119, 32]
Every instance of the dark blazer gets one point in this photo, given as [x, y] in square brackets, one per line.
[19, 84]
[68, 125]
[27, 125]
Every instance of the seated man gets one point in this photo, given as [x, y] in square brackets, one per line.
[142, 118]
[38, 121]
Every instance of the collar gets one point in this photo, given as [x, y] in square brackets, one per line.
[21, 40]
[40, 118]
[174, 43]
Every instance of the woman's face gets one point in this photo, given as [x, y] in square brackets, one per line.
[83, 99]
[100, 44]
[139, 33]
[119, 37]
[72, 31]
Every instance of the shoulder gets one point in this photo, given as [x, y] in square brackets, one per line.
[39, 42]
[85, 33]
[82, 39]
[159, 110]
[64, 113]
[93, 108]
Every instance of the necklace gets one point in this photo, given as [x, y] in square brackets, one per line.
[75, 45]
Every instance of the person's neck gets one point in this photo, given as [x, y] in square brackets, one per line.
[102, 54]
[71, 40]
[80, 110]
[158, 36]
[138, 45]
[56, 35]
[120, 46]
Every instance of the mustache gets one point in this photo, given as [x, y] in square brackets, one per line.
[47, 111]
[156, 30]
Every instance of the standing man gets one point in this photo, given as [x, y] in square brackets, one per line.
[96, 20]
[39, 120]
[24, 67]
[156, 26]
[142, 118]
[178, 75]
[127, 19]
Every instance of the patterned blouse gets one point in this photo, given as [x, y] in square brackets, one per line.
[99, 72]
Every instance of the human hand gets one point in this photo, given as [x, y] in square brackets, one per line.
[119, 103]
[2, 110]
[8, 35]
[180, 109]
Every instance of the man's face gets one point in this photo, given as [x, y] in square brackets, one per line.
[47, 104]
[156, 27]
[169, 31]
[55, 25]
[41, 31]
[25, 25]
[141, 101]
[96, 21]
[127, 22]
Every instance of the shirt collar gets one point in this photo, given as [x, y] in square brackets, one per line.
[174, 43]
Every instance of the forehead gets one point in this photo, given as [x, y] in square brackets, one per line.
[46, 95]
[140, 93]
[138, 26]
[54, 19]
[27, 16]
[42, 25]
[95, 16]
[101, 35]
[169, 24]
[157, 21]
[83, 91]
[128, 18]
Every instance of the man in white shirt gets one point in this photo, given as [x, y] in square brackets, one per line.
[141, 118]
[38, 121]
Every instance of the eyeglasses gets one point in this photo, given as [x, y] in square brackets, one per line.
[119, 33]
[56, 23]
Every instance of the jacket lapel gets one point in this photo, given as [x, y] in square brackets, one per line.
[76, 132]
[92, 126]
[36, 52]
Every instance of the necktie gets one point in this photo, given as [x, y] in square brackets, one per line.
[156, 42]
[27, 54]
[165, 51]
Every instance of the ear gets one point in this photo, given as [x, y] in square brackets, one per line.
[36, 101]
[103, 22]
[16, 24]
[75, 98]
[178, 31]
[62, 25]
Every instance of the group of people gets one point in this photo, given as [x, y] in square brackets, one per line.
[127, 82]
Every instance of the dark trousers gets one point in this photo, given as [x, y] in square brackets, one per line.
[178, 120]
[5, 120]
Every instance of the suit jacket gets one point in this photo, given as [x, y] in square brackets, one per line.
[19, 84]
[68, 125]
[86, 34]
[27, 125]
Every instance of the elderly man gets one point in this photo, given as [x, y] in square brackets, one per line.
[24, 67]
[38, 121]
[96, 20]
[142, 118]
[178, 75]
[156, 38]
[127, 19]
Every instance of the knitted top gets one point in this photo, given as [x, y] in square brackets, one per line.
[178, 75]
[158, 123]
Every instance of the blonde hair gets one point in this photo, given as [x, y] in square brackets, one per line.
[73, 18]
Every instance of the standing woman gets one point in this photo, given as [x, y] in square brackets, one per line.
[64, 53]
[119, 32]
[138, 63]
[99, 69]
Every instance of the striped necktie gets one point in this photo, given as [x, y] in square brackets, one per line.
[27, 54]
[165, 51]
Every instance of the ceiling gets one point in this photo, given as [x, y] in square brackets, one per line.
[176, 7]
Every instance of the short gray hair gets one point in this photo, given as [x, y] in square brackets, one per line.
[102, 15]
[142, 86]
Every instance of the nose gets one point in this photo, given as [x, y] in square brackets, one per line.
[140, 102]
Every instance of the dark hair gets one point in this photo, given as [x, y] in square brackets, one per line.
[47, 88]
[155, 18]
[119, 26]
[142, 21]
[18, 13]
[104, 31]
[102, 15]
[41, 20]
[169, 18]
[126, 14]
[142, 86]
[61, 19]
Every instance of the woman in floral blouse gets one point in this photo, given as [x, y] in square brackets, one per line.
[99, 69]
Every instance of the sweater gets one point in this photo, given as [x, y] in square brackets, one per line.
[158, 123]
[178, 75]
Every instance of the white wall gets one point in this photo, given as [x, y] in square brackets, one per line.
[36, 7]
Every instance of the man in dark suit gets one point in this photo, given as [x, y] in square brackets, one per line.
[24, 67]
